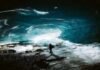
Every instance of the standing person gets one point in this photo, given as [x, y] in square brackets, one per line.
[50, 48]
[52, 54]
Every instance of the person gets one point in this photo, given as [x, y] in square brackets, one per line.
[52, 54]
[50, 48]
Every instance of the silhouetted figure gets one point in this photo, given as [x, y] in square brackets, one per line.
[50, 48]
[52, 54]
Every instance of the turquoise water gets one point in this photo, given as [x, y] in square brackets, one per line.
[24, 26]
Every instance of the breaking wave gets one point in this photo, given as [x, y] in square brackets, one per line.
[53, 30]
[89, 53]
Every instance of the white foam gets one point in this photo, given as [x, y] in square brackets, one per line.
[50, 37]
[41, 12]
[90, 53]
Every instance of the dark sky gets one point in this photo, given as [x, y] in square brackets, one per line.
[76, 7]
[89, 4]
[91, 7]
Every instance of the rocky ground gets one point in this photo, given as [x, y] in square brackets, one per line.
[64, 58]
